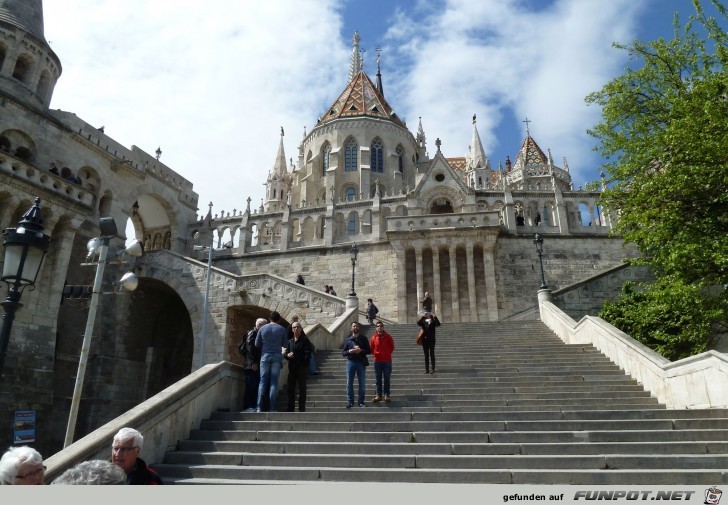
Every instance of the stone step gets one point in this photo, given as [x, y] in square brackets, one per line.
[510, 404]
[303, 447]
[234, 474]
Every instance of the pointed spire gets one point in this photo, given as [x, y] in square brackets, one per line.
[380, 86]
[356, 63]
[279, 167]
[421, 140]
[476, 156]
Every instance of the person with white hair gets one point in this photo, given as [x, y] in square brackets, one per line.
[96, 472]
[125, 454]
[22, 466]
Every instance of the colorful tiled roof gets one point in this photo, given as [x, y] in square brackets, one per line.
[457, 163]
[360, 99]
[530, 154]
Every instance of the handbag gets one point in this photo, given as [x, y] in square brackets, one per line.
[420, 336]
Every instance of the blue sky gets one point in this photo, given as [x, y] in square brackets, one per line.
[211, 83]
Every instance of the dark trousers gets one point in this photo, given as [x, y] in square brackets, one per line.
[252, 380]
[297, 377]
[429, 348]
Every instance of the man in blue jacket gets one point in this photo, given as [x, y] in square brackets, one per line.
[356, 348]
[271, 340]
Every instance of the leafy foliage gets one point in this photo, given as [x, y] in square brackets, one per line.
[664, 132]
[676, 320]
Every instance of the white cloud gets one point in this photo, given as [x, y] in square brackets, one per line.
[211, 83]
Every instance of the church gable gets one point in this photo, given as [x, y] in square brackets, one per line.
[441, 188]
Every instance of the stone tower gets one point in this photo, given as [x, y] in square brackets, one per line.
[29, 69]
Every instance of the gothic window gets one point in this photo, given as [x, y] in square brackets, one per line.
[325, 159]
[350, 155]
[377, 154]
[350, 194]
[400, 159]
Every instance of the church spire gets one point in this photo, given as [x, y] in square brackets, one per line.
[476, 156]
[380, 86]
[356, 62]
[280, 167]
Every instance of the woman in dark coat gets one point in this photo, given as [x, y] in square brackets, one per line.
[429, 322]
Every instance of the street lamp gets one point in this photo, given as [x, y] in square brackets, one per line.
[353, 252]
[539, 249]
[100, 246]
[25, 247]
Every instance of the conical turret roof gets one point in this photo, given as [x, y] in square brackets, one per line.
[360, 99]
[530, 154]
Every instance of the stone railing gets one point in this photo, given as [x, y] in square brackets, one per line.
[695, 382]
[48, 181]
[454, 221]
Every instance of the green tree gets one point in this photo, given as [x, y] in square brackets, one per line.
[664, 134]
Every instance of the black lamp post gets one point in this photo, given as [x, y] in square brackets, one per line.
[539, 249]
[25, 247]
[353, 252]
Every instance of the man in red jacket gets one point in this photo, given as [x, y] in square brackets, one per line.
[382, 346]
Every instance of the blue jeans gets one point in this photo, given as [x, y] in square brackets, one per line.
[312, 365]
[270, 369]
[358, 368]
[382, 370]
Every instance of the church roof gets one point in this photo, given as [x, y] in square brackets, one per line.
[530, 154]
[458, 163]
[360, 99]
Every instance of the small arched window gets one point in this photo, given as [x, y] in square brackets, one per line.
[377, 154]
[400, 159]
[350, 194]
[350, 156]
[351, 225]
[325, 160]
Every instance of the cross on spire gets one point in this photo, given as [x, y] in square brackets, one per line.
[528, 131]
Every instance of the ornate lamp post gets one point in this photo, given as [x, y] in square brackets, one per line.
[353, 252]
[25, 247]
[539, 249]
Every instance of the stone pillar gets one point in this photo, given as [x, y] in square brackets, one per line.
[490, 284]
[454, 285]
[403, 313]
[419, 276]
[471, 281]
[436, 277]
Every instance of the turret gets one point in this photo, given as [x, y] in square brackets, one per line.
[29, 69]
[278, 183]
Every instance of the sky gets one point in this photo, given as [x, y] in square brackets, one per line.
[212, 83]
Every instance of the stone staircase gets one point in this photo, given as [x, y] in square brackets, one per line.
[510, 404]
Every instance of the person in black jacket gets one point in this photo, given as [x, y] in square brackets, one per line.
[298, 353]
[429, 322]
[252, 367]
